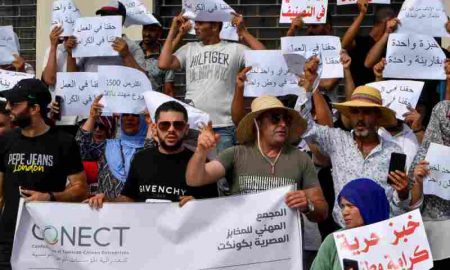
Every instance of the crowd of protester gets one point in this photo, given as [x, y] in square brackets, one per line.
[338, 162]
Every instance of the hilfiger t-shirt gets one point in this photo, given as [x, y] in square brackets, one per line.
[39, 163]
[154, 175]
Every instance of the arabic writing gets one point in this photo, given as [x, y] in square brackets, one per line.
[263, 235]
[312, 11]
[8, 45]
[137, 13]
[204, 10]
[65, 13]
[414, 57]
[395, 244]
[438, 181]
[349, 2]
[10, 78]
[95, 36]
[269, 75]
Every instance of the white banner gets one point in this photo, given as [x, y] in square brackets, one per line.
[349, 2]
[8, 45]
[327, 47]
[396, 243]
[154, 99]
[137, 13]
[228, 32]
[95, 36]
[123, 88]
[78, 90]
[399, 95]
[414, 57]
[207, 10]
[64, 14]
[438, 181]
[10, 78]
[269, 74]
[248, 232]
[312, 11]
[426, 17]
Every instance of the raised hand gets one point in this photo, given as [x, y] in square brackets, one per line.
[207, 139]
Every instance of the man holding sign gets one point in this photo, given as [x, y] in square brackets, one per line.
[211, 66]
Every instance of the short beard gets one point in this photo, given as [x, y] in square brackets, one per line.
[170, 148]
[362, 134]
[22, 121]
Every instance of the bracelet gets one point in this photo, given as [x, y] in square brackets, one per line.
[419, 130]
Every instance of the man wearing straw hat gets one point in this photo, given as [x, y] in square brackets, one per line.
[361, 152]
[265, 160]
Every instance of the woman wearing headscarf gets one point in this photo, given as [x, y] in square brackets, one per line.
[113, 155]
[363, 202]
[435, 210]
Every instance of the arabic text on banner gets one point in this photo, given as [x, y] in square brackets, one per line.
[350, 2]
[312, 11]
[251, 232]
[396, 243]
[207, 10]
[412, 56]
[65, 13]
[95, 36]
[78, 90]
[10, 78]
[8, 45]
[137, 13]
[438, 181]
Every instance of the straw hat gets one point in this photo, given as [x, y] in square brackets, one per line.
[368, 97]
[246, 128]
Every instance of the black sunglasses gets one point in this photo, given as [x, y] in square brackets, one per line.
[275, 118]
[177, 125]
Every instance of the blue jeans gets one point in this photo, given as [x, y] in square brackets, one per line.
[227, 140]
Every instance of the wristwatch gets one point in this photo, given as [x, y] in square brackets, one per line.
[52, 197]
[310, 208]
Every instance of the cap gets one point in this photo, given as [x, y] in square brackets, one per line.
[32, 90]
[113, 8]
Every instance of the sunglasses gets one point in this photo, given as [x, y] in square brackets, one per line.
[100, 126]
[177, 125]
[275, 118]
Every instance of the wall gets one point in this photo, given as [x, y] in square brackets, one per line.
[87, 9]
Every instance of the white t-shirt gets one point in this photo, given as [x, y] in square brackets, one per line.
[211, 77]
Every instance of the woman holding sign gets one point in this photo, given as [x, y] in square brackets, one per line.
[363, 202]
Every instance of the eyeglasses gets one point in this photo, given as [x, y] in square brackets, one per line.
[275, 118]
[177, 125]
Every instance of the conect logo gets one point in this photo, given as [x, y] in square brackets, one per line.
[80, 236]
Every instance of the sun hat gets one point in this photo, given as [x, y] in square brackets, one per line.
[246, 131]
[368, 97]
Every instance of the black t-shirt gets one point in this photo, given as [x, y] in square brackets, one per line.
[361, 75]
[154, 175]
[39, 163]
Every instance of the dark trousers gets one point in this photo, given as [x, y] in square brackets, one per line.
[5, 256]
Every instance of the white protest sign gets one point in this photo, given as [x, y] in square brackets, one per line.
[137, 13]
[123, 88]
[154, 99]
[8, 79]
[229, 32]
[65, 13]
[399, 95]
[396, 243]
[78, 90]
[349, 2]
[8, 45]
[414, 57]
[207, 10]
[251, 232]
[426, 17]
[328, 47]
[312, 11]
[269, 74]
[95, 36]
[438, 181]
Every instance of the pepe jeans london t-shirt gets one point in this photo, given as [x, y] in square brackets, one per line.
[39, 163]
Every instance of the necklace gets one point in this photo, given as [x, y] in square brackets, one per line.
[272, 163]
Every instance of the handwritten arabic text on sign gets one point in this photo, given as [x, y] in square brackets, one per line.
[329, 47]
[414, 57]
[95, 36]
[123, 88]
[349, 2]
[65, 13]
[269, 75]
[8, 79]
[208, 10]
[312, 11]
[78, 90]
[423, 17]
[396, 243]
[8, 45]
[253, 232]
[137, 13]
[399, 95]
[438, 181]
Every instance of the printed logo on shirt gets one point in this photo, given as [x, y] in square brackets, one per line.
[249, 184]
[162, 190]
[33, 162]
[209, 65]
